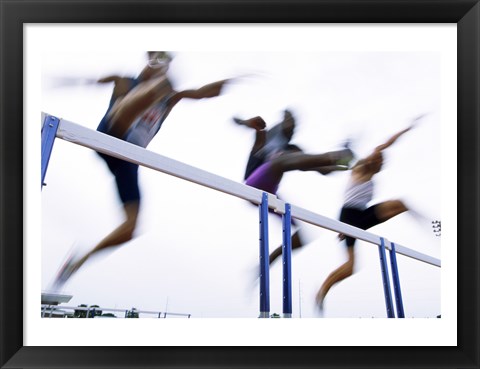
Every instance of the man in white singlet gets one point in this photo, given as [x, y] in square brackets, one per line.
[355, 210]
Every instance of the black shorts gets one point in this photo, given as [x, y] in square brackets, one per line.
[363, 219]
[126, 173]
[126, 178]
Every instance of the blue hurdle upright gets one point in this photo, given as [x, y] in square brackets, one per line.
[49, 133]
[264, 259]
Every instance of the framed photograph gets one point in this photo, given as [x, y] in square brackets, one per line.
[350, 75]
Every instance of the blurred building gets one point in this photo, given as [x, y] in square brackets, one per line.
[50, 301]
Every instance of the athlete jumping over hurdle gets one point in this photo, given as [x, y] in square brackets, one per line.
[272, 155]
[137, 110]
[358, 194]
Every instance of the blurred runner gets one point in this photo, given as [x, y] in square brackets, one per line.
[137, 109]
[355, 210]
[272, 155]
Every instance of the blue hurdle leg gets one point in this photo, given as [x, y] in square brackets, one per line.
[49, 132]
[264, 258]
[287, 262]
[396, 283]
[386, 280]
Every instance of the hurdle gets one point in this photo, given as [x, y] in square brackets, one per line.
[53, 127]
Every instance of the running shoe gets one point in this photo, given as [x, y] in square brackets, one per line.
[319, 303]
[345, 157]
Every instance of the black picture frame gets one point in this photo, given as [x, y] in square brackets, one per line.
[14, 14]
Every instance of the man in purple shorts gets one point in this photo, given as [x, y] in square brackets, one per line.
[272, 155]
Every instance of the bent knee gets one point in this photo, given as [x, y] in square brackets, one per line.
[389, 209]
[349, 268]
[398, 207]
[399, 204]
[129, 227]
[297, 241]
[128, 234]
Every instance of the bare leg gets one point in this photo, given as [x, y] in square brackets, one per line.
[343, 271]
[325, 170]
[120, 235]
[128, 108]
[296, 243]
[301, 161]
[384, 211]
[388, 209]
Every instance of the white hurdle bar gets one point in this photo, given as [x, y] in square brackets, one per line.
[337, 226]
[112, 146]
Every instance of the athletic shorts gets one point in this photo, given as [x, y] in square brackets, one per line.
[125, 173]
[261, 179]
[363, 219]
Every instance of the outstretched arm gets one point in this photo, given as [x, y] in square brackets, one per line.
[121, 87]
[260, 139]
[108, 79]
[392, 139]
[395, 137]
[211, 90]
[256, 122]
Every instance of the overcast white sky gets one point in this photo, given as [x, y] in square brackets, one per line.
[196, 249]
